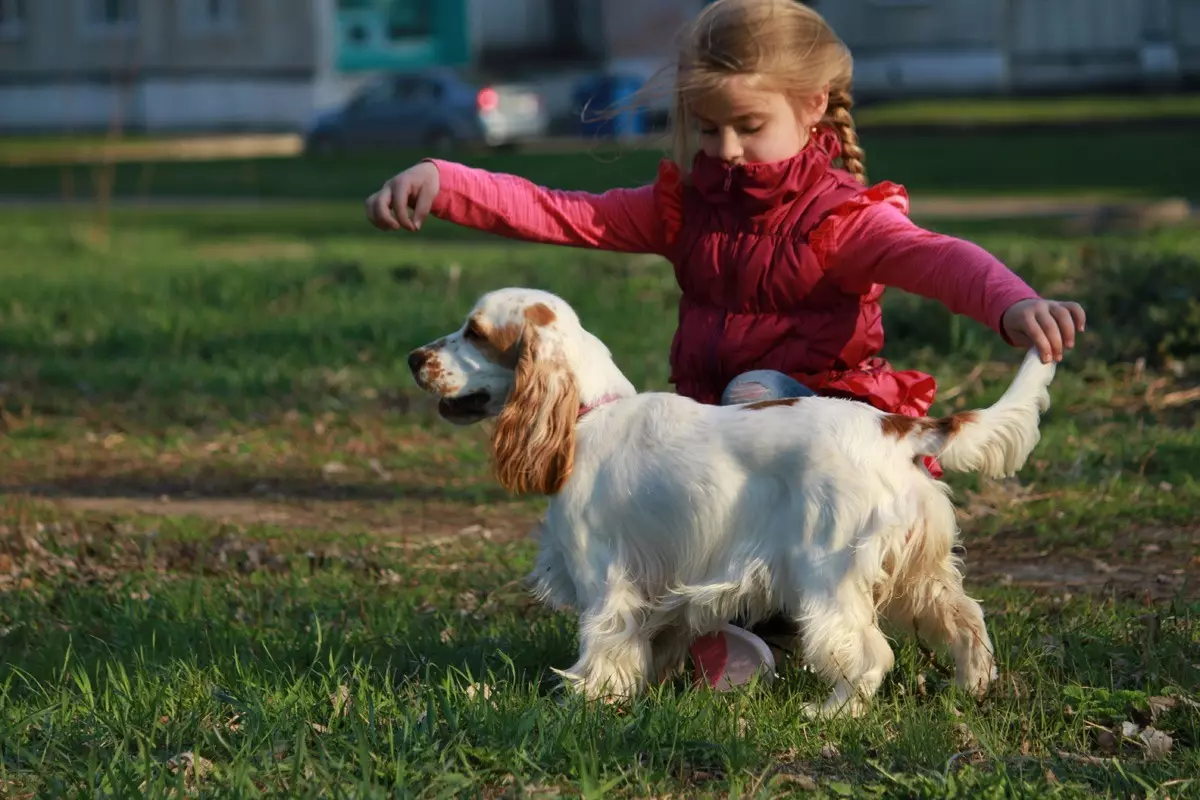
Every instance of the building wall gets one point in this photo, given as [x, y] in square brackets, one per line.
[163, 73]
[936, 46]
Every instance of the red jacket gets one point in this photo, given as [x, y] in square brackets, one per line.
[781, 264]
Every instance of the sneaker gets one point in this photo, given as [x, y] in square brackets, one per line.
[730, 658]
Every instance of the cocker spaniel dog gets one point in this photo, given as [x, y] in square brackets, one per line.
[669, 517]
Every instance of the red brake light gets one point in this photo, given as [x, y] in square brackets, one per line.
[487, 99]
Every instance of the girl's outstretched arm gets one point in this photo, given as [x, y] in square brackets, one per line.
[624, 220]
[880, 244]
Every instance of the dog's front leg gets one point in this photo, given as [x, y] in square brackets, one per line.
[615, 652]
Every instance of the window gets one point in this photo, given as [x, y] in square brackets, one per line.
[409, 19]
[12, 19]
[205, 17]
[110, 17]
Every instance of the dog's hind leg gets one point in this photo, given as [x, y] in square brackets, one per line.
[934, 606]
[843, 644]
[615, 652]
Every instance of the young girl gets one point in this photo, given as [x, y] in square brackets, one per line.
[781, 250]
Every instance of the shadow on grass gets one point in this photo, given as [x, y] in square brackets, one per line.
[269, 486]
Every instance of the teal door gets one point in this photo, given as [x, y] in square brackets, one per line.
[401, 34]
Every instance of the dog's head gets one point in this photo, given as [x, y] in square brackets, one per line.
[512, 360]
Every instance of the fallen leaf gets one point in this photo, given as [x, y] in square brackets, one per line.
[481, 689]
[1130, 729]
[1160, 705]
[191, 765]
[1157, 743]
[319, 728]
[334, 468]
[447, 635]
[1051, 778]
[797, 779]
[341, 701]
[830, 751]
[467, 602]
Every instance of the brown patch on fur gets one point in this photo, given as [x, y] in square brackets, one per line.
[540, 314]
[534, 442]
[433, 372]
[761, 404]
[498, 345]
[950, 426]
[900, 425]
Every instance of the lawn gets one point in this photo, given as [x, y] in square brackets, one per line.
[1122, 162]
[240, 554]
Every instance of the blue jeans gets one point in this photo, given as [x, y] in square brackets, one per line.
[763, 384]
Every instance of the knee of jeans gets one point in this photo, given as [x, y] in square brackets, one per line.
[740, 392]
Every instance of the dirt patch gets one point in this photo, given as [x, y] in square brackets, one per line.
[419, 521]
[1152, 582]
[1150, 564]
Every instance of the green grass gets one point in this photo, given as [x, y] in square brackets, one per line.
[1032, 110]
[1143, 162]
[326, 545]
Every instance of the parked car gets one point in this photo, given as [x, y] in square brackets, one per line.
[437, 110]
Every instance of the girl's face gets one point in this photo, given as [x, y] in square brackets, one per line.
[743, 124]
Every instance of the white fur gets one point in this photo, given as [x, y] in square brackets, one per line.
[678, 516]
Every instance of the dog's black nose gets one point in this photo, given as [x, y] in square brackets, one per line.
[417, 359]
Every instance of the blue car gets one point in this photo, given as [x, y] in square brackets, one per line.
[435, 110]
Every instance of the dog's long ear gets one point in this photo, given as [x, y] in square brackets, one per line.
[534, 442]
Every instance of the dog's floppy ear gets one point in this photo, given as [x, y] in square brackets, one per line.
[534, 441]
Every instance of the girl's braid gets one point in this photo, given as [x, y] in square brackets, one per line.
[839, 116]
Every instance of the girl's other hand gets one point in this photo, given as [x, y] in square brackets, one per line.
[1048, 325]
[415, 189]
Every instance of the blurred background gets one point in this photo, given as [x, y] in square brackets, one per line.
[506, 71]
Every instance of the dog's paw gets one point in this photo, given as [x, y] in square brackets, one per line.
[834, 707]
[976, 676]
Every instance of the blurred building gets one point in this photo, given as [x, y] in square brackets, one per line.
[262, 64]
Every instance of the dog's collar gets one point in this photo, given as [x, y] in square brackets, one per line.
[603, 401]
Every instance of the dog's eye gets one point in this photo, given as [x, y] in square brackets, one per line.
[473, 332]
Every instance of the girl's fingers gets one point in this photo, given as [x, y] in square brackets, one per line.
[1045, 322]
[379, 210]
[401, 198]
[422, 207]
[1033, 331]
[1077, 314]
[1066, 325]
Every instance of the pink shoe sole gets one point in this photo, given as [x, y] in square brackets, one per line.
[730, 658]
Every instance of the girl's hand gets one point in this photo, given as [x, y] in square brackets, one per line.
[1048, 325]
[415, 188]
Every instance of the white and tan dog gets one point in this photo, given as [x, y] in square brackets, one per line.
[669, 517]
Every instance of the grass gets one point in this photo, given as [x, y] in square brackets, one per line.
[239, 554]
[1153, 161]
[1074, 109]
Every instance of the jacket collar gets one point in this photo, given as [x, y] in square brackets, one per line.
[757, 188]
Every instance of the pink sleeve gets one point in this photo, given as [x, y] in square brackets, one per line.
[624, 220]
[879, 244]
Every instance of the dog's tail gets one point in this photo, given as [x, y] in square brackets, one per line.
[993, 441]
